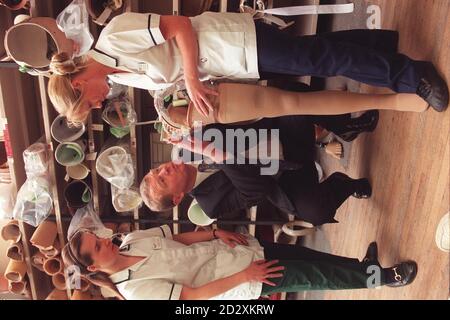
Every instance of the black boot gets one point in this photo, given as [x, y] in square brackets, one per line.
[372, 253]
[365, 123]
[401, 274]
[361, 187]
[433, 89]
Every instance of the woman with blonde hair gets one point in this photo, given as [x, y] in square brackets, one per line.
[154, 52]
[78, 86]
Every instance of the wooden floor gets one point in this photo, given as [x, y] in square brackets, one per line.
[407, 162]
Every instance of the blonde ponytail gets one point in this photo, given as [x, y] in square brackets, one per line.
[62, 64]
[66, 100]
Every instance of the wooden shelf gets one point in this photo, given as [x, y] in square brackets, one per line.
[160, 221]
[223, 5]
[133, 6]
[176, 209]
[23, 109]
[40, 283]
[176, 7]
[25, 242]
[20, 113]
[56, 176]
[92, 147]
[18, 108]
[48, 119]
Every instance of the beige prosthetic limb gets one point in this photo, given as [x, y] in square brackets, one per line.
[243, 102]
[335, 149]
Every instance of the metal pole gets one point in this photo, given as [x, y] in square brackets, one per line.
[171, 221]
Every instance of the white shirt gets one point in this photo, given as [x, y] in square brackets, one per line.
[133, 42]
[168, 265]
[262, 151]
[201, 176]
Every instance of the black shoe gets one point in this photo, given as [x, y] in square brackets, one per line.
[433, 89]
[403, 274]
[365, 123]
[372, 253]
[363, 189]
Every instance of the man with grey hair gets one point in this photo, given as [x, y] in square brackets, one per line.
[227, 188]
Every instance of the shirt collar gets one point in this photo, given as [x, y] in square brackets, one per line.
[107, 60]
[103, 58]
[121, 276]
[125, 274]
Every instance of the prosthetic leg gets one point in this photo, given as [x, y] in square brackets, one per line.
[243, 102]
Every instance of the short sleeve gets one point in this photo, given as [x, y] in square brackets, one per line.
[131, 33]
[162, 232]
[151, 289]
[158, 232]
[154, 29]
[165, 231]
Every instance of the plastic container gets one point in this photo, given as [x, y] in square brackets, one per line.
[116, 166]
[62, 132]
[197, 216]
[70, 153]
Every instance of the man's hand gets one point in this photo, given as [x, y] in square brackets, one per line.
[198, 94]
[231, 238]
[188, 143]
[262, 270]
[201, 147]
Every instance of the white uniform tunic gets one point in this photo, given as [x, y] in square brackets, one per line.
[168, 265]
[133, 42]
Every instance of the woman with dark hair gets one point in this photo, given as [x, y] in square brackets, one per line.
[218, 264]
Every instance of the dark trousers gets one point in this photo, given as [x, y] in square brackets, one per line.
[356, 54]
[315, 202]
[307, 269]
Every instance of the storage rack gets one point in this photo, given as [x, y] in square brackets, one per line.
[35, 105]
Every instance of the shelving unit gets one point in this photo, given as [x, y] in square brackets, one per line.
[176, 209]
[53, 166]
[175, 7]
[29, 117]
[31, 99]
[16, 104]
[56, 174]
[39, 283]
[133, 6]
[92, 129]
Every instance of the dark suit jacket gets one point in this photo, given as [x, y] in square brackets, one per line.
[237, 187]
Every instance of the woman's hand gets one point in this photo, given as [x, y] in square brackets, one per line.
[262, 270]
[181, 29]
[231, 238]
[198, 94]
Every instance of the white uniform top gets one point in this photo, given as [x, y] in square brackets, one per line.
[168, 265]
[133, 42]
